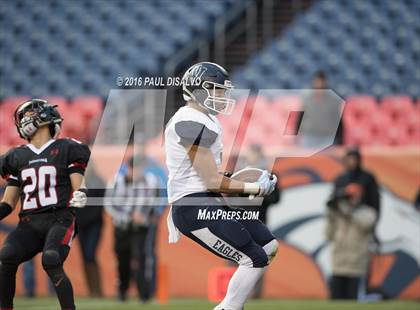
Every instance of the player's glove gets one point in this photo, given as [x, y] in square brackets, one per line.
[267, 183]
[79, 198]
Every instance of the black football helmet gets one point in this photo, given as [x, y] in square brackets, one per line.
[200, 83]
[32, 114]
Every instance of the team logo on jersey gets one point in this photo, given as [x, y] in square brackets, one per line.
[54, 152]
[43, 160]
[195, 76]
[198, 71]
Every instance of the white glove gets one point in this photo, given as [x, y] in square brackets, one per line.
[267, 183]
[79, 199]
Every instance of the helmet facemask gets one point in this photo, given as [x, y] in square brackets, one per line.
[209, 86]
[32, 114]
[208, 97]
[26, 119]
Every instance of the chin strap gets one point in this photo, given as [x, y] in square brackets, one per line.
[57, 130]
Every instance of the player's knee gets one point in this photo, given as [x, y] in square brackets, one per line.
[260, 261]
[51, 259]
[271, 250]
[255, 257]
[9, 255]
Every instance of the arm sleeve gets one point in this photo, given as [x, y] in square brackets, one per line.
[273, 198]
[78, 159]
[194, 133]
[9, 170]
[337, 185]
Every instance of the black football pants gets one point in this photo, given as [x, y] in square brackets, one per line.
[51, 233]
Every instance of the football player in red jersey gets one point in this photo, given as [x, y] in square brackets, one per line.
[47, 175]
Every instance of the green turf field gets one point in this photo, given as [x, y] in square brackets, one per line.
[191, 304]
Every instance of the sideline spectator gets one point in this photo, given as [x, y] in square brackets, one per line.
[323, 109]
[135, 218]
[352, 213]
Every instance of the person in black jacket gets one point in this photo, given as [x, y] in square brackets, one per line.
[354, 173]
[135, 226]
[355, 193]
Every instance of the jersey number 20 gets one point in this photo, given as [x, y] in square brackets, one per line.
[43, 179]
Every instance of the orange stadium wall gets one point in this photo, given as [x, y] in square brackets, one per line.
[296, 272]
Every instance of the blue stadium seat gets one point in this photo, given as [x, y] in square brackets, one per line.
[97, 38]
[363, 46]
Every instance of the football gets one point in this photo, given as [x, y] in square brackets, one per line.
[247, 175]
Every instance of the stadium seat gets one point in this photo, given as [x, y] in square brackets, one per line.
[96, 34]
[358, 135]
[62, 104]
[413, 124]
[285, 106]
[89, 106]
[8, 133]
[9, 104]
[386, 65]
[398, 107]
[7, 128]
[397, 135]
[75, 127]
[359, 108]
[230, 123]
[378, 124]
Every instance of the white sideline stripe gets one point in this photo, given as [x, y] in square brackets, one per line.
[205, 235]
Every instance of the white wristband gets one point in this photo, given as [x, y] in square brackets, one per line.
[251, 188]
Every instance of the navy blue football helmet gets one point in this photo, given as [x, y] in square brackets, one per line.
[201, 82]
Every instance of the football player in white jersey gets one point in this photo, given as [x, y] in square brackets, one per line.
[193, 147]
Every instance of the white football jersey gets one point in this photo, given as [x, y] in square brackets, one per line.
[189, 126]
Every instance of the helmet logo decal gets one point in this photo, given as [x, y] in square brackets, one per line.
[198, 71]
[195, 75]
